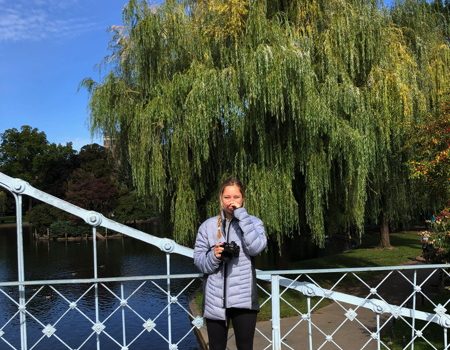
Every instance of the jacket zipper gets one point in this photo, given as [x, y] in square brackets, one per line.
[225, 265]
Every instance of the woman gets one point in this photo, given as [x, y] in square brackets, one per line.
[224, 251]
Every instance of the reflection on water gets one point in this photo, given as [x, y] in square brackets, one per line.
[47, 260]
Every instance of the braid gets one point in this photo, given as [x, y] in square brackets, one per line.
[219, 226]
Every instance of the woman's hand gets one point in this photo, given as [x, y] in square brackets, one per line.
[235, 205]
[218, 249]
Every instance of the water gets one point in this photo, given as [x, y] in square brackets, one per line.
[45, 260]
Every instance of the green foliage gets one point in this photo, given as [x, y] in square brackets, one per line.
[93, 185]
[19, 149]
[41, 216]
[64, 228]
[28, 155]
[308, 102]
[88, 178]
[130, 207]
[94, 159]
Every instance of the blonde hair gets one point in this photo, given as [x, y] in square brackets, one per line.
[219, 226]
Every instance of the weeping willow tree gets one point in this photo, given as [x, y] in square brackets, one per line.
[308, 102]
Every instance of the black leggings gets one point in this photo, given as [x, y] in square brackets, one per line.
[244, 323]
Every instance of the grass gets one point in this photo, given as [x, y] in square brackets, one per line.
[406, 246]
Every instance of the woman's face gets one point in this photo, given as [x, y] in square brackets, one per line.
[231, 199]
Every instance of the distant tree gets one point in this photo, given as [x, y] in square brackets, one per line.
[26, 154]
[130, 207]
[90, 192]
[41, 216]
[93, 185]
[19, 150]
[94, 159]
[54, 167]
[88, 178]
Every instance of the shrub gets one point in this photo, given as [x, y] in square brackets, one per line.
[62, 228]
[436, 240]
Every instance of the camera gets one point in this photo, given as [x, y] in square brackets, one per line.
[230, 250]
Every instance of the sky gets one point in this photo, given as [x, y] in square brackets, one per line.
[47, 47]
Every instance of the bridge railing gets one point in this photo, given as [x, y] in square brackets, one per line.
[368, 305]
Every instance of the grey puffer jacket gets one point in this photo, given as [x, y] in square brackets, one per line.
[233, 283]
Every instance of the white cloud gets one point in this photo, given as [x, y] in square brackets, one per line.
[40, 19]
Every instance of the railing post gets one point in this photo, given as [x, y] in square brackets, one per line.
[445, 339]
[122, 298]
[378, 333]
[276, 337]
[97, 311]
[21, 273]
[169, 303]
[413, 330]
[310, 338]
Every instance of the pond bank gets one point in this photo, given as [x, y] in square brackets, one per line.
[68, 238]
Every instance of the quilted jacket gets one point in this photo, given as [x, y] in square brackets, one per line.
[233, 283]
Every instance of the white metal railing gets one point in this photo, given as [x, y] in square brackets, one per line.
[120, 299]
[386, 294]
[373, 295]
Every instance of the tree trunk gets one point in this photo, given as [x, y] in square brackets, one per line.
[385, 241]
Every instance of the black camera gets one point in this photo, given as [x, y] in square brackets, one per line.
[230, 250]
